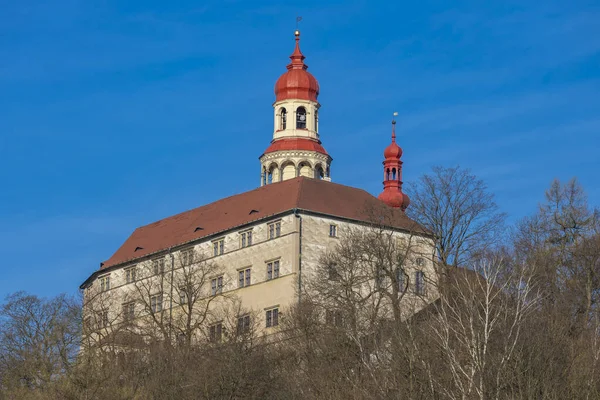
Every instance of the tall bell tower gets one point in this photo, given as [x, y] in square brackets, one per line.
[296, 149]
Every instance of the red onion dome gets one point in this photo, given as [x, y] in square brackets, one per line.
[297, 83]
[393, 150]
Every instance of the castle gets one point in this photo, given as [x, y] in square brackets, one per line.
[252, 250]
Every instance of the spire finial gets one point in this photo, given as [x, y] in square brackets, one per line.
[394, 127]
[297, 57]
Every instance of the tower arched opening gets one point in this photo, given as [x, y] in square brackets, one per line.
[288, 170]
[305, 169]
[273, 173]
[301, 118]
[282, 118]
[319, 171]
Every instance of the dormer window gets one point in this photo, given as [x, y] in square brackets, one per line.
[301, 118]
[283, 122]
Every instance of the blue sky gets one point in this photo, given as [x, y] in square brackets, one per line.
[115, 114]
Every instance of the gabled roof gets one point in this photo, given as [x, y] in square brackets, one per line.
[304, 194]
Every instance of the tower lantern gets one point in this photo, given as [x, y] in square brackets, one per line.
[296, 148]
[392, 175]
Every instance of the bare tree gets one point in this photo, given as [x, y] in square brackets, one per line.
[460, 211]
[478, 325]
[39, 339]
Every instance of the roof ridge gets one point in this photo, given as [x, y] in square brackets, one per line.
[205, 205]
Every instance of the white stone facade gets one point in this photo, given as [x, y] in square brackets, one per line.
[303, 238]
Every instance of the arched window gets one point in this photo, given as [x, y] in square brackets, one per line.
[393, 173]
[317, 121]
[270, 176]
[387, 175]
[283, 123]
[264, 176]
[301, 118]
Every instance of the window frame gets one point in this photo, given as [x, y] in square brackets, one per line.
[183, 297]
[243, 324]
[216, 285]
[332, 272]
[158, 266]
[246, 238]
[273, 269]
[272, 317]
[420, 283]
[218, 247]
[130, 274]
[156, 303]
[104, 283]
[216, 331]
[129, 311]
[187, 256]
[273, 230]
[244, 277]
[401, 280]
[333, 230]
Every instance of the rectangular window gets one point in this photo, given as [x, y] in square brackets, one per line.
[129, 311]
[333, 272]
[333, 317]
[244, 277]
[333, 230]
[218, 247]
[380, 278]
[272, 270]
[216, 332]
[272, 317]
[401, 280]
[187, 257]
[158, 266]
[274, 230]
[104, 283]
[246, 238]
[102, 319]
[419, 283]
[216, 285]
[183, 297]
[156, 303]
[130, 274]
[243, 325]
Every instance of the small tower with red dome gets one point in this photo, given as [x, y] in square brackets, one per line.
[296, 149]
[392, 175]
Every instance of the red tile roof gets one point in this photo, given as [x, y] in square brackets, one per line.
[295, 144]
[301, 193]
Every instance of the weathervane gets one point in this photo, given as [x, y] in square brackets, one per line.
[298, 19]
[394, 126]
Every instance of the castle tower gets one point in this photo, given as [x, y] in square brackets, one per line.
[295, 149]
[392, 175]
